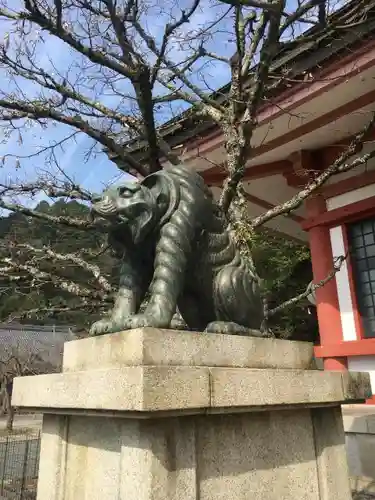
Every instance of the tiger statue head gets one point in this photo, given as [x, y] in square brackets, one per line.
[135, 209]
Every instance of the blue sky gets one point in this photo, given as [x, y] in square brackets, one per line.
[96, 172]
[53, 55]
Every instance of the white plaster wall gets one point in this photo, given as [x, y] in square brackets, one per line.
[363, 364]
[352, 197]
[343, 288]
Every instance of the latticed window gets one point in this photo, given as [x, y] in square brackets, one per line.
[362, 250]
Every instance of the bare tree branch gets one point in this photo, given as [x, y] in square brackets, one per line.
[34, 15]
[90, 306]
[242, 119]
[72, 191]
[73, 258]
[252, 3]
[35, 110]
[54, 219]
[310, 289]
[301, 11]
[64, 284]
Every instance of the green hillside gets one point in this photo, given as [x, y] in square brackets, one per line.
[18, 228]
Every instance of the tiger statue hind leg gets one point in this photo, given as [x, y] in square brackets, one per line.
[230, 328]
[234, 307]
[224, 294]
[237, 301]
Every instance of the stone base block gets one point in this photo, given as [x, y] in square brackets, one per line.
[197, 417]
[280, 455]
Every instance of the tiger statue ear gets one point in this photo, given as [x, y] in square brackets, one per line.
[165, 191]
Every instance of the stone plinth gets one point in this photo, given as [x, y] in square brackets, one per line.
[165, 415]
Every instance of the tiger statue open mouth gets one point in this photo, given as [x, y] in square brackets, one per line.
[175, 247]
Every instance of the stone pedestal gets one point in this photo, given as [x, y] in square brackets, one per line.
[164, 415]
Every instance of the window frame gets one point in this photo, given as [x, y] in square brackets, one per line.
[353, 284]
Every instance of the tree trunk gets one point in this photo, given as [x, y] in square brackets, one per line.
[10, 419]
[10, 413]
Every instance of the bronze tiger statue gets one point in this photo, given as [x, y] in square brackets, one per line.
[175, 247]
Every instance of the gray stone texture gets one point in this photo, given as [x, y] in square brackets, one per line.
[183, 388]
[151, 346]
[159, 430]
[359, 426]
[330, 453]
[247, 456]
[160, 370]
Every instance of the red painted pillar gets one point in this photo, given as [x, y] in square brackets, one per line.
[336, 364]
[327, 303]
